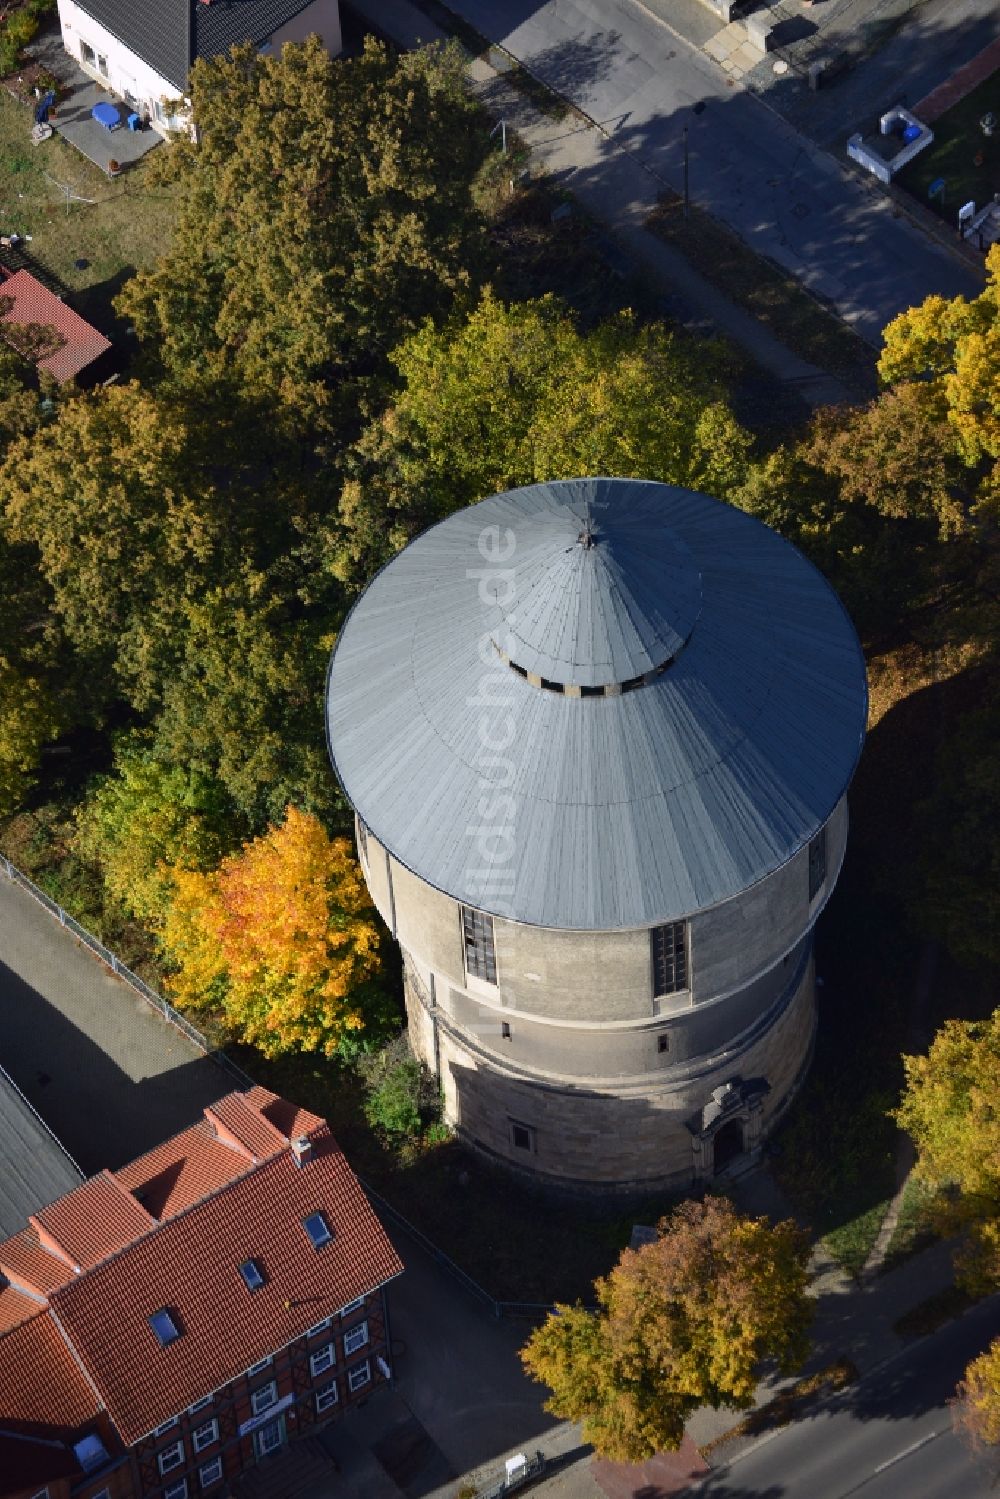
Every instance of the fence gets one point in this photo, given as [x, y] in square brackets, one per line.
[117, 967]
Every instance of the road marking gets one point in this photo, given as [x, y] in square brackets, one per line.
[908, 1451]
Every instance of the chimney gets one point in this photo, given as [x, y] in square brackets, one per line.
[302, 1150]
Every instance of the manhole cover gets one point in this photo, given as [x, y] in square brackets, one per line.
[800, 210]
[780, 66]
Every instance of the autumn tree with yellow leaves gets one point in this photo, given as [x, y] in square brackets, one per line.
[281, 937]
[682, 1322]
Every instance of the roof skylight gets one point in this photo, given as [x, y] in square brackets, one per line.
[164, 1327]
[252, 1275]
[318, 1229]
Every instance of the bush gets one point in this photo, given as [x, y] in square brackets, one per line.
[402, 1096]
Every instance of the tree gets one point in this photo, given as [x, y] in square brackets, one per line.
[281, 936]
[325, 209]
[950, 351]
[28, 718]
[977, 1402]
[682, 1322]
[514, 394]
[147, 816]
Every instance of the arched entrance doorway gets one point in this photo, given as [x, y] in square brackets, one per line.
[728, 1144]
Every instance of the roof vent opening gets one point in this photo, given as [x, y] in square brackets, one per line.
[302, 1150]
[593, 692]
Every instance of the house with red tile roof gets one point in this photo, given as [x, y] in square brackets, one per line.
[60, 341]
[166, 1325]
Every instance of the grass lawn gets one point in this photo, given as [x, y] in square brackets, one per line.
[126, 226]
[957, 142]
[768, 292]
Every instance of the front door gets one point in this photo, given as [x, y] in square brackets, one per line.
[270, 1437]
[728, 1144]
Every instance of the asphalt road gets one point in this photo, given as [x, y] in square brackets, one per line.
[787, 197]
[891, 1436]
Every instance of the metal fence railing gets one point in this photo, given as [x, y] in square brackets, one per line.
[117, 967]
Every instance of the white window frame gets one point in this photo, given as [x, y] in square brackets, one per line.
[365, 1371]
[326, 1396]
[359, 1342]
[215, 1466]
[196, 1436]
[327, 1230]
[270, 1390]
[324, 1358]
[101, 1494]
[175, 1450]
[352, 1306]
[314, 1331]
[178, 1490]
[165, 1426]
[258, 1368]
[200, 1405]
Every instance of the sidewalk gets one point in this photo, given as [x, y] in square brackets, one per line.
[574, 153]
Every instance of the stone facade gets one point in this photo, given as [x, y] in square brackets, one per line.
[568, 1068]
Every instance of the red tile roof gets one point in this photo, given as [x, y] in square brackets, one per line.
[183, 1170]
[27, 1264]
[91, 1222]
[190, 1264]
[33, 303]
[15, 1308]
[43, 1391]
[239, 1124]
[291, 1120]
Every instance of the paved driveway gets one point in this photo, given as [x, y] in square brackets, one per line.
[108, 1075]
[785, 196]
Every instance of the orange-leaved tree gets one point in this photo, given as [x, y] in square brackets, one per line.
[281, 937]
[684, 1321]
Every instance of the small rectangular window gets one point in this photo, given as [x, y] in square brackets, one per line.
[505, 1030]
[170, 1458]
[205, 1435]
[352, 1306]
[199, 1405]
[817, 864]
[264, 1398]
[102, 65]
[480, 953]
[522, 1136]
[359, 1376]
[318, 1230]
[88, 54]
[258, 1368]
[321, 1360]
[319, 1327]
[663, 1043]
[326, 1396]
[210, 1473]
[355, 1339]
[165, 1329]
[166, 1426]
[178, 1490]
[91, 1452]
[668, 951]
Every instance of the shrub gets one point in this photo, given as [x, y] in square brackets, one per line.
[402, 1096]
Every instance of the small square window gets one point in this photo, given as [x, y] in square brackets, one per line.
[165, 1426]
[480, 953]
[817, 864]
[522, 1136]
[359, 1376]
[205, 1435]
[264, 1398]
[321, 1360]
[356, 1338]
[170, 1458]
[88, 54]
[668, 952]
[165, 1329]
[252, 1275]
[319, 1327]
[91, 1453]
[663, 1043]
[326, 1396]
[259, 1367]
[318, 1230]
[352, 1306]
[178, 1490]
[210, 1473]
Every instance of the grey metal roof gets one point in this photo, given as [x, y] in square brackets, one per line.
[34, 1167]
[605, 811]
[170, 34]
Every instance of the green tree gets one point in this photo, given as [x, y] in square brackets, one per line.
[514, 394]
[682, 1322]
[325, 209]
[147, 816]
[28, 719]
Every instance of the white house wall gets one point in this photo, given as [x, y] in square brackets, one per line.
[127, 73]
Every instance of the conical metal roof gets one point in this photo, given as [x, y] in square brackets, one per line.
[596, 704]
